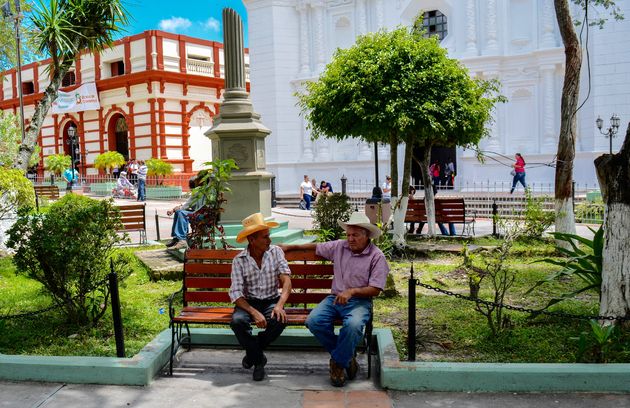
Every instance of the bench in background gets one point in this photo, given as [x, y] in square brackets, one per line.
[206, 281]
[446, 210]
[133, 218]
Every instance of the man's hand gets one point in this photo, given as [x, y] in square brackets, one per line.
[171, 212]
[343, 297]
[259, 319]
[279, 313]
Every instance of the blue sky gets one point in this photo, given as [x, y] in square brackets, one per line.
[196, 18]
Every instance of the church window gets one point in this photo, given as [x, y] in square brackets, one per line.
[434, 22]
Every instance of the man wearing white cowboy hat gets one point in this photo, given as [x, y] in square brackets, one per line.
[360, 272]
[254, 291]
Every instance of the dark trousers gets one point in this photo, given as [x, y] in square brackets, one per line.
[242, 327]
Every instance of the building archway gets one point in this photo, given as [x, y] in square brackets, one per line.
[118, 135]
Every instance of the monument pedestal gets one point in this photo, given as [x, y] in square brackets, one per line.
[251, 193]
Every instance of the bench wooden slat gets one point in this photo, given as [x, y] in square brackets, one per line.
[205, 268]
[208, 283]
[204, 296]
[218, 254]
[132, 218]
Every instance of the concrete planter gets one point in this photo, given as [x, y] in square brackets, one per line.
[102, 189]
[164, 192]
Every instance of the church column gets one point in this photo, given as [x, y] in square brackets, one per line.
[305, 63]
[131, 128]
[307, 148]
[548, 38]
[493, 143]
[471, 28]
[491, 27]
[380, 14]
[549, 142]
[318, 7]
[365, 152]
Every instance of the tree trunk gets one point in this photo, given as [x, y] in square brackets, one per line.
[565, 219]
[427, 182]
[41, 110]
[401, 200]
[613, 173]
[393, 162]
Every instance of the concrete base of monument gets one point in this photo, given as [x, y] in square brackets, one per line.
[280, 235]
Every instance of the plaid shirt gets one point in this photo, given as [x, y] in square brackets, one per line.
[250, 282]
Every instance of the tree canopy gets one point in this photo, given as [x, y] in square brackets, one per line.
[64, 29]
[399, 87]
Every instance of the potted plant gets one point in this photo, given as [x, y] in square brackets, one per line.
[211, 186]
[57, 164]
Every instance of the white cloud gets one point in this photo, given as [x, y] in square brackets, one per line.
[175, 24]
[212, 24]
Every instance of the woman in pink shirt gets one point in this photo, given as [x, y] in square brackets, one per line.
[519, 172]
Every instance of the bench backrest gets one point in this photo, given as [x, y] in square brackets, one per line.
[132, 217]
[51, 192]
[207, 276]
[450, 210]
[446, 210]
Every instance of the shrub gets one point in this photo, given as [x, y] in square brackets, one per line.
[68, 250]
[10, 139]
[329, 209]
[108, 160]
[16, 192]
[590, 212]
[57, 163]
[158, 167]
[537, 220]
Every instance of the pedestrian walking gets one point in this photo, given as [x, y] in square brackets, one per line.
[518, 173]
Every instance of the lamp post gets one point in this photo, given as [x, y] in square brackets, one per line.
[17, 16]
[612, 130]
[72, 141]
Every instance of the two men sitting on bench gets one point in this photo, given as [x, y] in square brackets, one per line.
[360, 273]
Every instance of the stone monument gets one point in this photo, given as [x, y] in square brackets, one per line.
[238, 133]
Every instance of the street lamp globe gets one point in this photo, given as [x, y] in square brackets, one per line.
[599, 122]
[615, 121]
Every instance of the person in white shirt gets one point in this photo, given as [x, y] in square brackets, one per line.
[306, 189]
[387, 188]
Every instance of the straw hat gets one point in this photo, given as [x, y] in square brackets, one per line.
[358, 219]
[254, 223]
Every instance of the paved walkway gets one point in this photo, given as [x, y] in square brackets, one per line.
[214, 378]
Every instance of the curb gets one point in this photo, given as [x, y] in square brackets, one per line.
[495, 377]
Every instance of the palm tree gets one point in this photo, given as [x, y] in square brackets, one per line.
[108, 160]
[65, 28]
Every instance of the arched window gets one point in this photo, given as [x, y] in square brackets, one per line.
[434, 22]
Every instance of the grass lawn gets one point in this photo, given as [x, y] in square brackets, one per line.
[448, 328]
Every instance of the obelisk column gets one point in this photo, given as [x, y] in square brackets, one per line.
[239, 134]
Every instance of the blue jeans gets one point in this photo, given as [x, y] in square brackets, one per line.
[355, 314]
[242, 327]
[142, 190]
[451, 229]
[519, 178]
[180, 224]
[307, 200]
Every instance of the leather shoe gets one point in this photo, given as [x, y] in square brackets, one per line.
[337, 377]
[248, 364]
[352, 369]
[172, 242]
[259, 372]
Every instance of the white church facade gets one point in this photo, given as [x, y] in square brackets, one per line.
[515, 41]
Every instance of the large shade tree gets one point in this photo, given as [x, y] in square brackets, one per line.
[399, 87]
[64, 29]
[565, 219]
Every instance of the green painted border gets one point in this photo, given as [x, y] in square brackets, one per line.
[489, 377]
[394, 374]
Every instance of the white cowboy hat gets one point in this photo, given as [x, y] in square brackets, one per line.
[254, 223]
[358, 219]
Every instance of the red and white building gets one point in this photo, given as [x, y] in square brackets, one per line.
[158, 94]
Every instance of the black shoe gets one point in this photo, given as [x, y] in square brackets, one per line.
[248, 364]
[259, 372]
[172, 242]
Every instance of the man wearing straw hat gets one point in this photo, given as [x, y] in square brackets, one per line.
[360, 272]
[254, 291]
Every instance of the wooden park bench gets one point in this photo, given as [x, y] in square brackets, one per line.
[206, 281]
[446, 210]
[133, 218]
[51, 192]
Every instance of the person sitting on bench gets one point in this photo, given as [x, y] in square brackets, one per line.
[360, 273]
[256, 272]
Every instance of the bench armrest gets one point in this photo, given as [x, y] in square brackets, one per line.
[171, 308]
